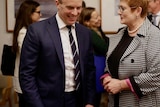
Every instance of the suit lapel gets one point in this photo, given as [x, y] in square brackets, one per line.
[150, 19]
[79, 35]
[79, 39]
[115, 40]
[55, 36]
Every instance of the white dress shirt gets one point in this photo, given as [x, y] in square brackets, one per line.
[67, 51]
[157, 22]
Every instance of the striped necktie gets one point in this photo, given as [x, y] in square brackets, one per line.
[75, 58]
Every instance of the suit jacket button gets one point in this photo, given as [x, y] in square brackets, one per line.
[132, 60]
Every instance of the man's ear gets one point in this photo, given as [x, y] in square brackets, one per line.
[57, 4]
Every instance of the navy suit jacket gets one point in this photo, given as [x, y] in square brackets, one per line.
[42, 69]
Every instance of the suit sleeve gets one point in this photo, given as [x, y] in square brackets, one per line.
[91, 77]
[148, 82]
[28, 68]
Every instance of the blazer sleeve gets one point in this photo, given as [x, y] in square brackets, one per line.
[28, 66]
[148, 81]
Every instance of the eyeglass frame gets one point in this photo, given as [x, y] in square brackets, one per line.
[122, 9]
[39, 12]
[151, 0]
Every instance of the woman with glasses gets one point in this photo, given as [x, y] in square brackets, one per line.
[28, 13]
[133, 59]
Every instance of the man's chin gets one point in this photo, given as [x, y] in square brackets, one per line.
[72, 21]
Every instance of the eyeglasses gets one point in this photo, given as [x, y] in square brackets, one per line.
[122, 9]
[39, 12]
[151, 0]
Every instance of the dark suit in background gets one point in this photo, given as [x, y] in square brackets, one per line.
[151, 20]
[154, 12]
[42, 67]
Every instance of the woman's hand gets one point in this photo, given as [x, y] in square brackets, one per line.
[114, 86]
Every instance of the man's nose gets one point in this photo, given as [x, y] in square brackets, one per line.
[75, 11]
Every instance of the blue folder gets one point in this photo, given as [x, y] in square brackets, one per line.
[100, 63]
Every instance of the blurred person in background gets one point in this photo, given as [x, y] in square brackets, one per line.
[91, 19]
[83, 4]
[154, 12]
[133, 59]
[28, 13]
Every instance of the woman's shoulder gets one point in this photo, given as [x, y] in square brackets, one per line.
[23, 30]
[94, 32]
[22, 34]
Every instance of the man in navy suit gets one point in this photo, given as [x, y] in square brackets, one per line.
[47, 69]
[154, 12]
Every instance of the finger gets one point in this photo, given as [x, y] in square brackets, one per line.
[106, 80]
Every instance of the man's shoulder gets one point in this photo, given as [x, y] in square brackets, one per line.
[44, 21]
[81, 26]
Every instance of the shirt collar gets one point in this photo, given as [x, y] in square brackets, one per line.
[61, 23]
[158, 13]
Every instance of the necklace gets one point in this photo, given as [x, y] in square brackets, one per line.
[133, 31]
